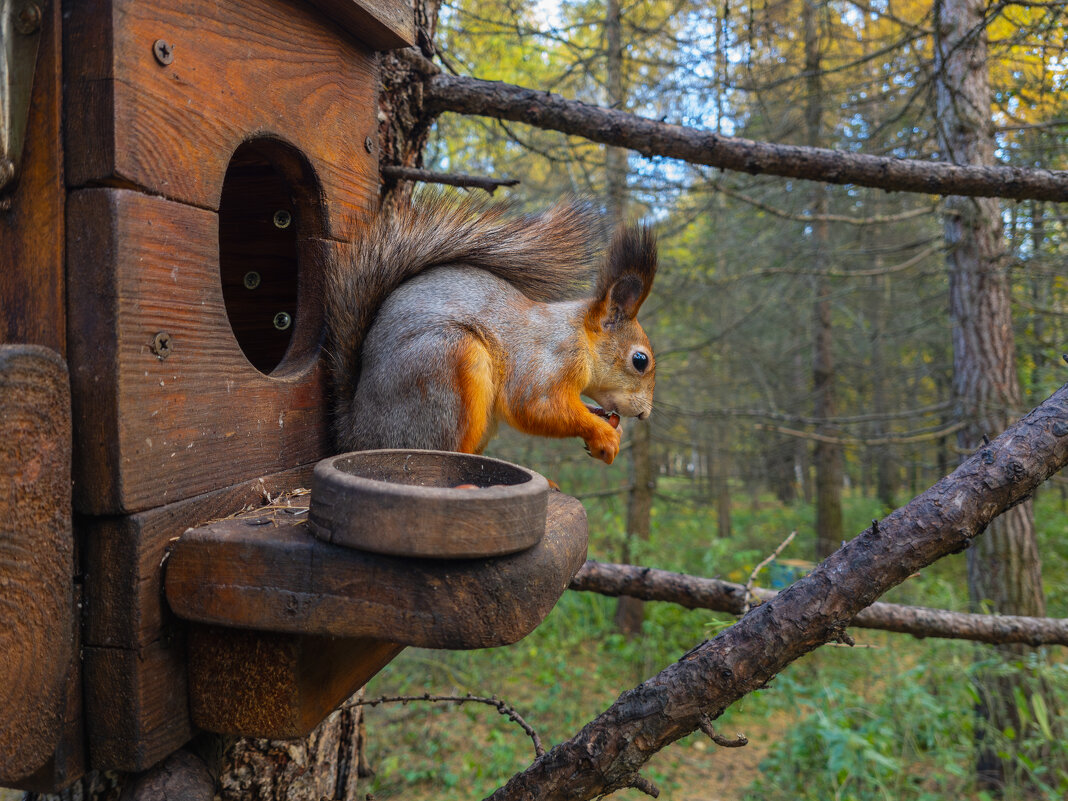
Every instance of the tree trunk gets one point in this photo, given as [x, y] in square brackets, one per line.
[885, 478]
[1004, 570]
[631, 611]
[827, 455]
[323, 765]
[720, 472]
[404, 125]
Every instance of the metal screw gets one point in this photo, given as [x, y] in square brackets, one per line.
[28, 20]
[161, 345]
[282, 219]
[252, 279]
[163, 51]
[282, 321]
[369, 145]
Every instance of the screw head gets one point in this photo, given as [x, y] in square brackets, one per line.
[282, 321]
[282, 219]
[252, 279]
[163, 51]
[28, 20]
[369, 145]
[162, 345]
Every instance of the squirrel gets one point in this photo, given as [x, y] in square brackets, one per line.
[455, 314]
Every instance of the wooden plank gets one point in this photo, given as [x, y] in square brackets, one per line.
[258, 68]
[268, 573]
[136, 701]
[123, 559]
[149, 430]
[31, 231]
[136, 704]
[36, 555]
[383, 24]
[278, 686]
[68, 762]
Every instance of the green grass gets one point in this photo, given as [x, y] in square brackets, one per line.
[890, 719]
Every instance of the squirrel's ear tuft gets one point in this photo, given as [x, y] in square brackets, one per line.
[627, 274]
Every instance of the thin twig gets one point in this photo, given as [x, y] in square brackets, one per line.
[756, 570]
[645, 785]
[501, 707]
[869, 442]
[724, 742]
[452, 179]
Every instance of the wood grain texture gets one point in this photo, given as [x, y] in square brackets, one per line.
[258, 68]
[150, 431]
[430, 504]
[136, 702]
[278, 686]
[68, 761]
[31, 232]
[271, 574]
[36, 555]
[383, 24]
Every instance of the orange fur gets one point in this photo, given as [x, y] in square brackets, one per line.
[476, 386]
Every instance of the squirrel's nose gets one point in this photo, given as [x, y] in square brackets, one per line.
[643, 415]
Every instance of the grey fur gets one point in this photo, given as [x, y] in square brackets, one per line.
[392, 344]
[406, 393]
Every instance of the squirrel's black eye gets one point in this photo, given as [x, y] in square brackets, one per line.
[640, 361]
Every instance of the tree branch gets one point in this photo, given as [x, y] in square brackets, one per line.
[694, 592]
[451, 178]
[609, 750]
[651, 138]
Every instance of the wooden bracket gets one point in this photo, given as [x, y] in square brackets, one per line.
[264, 572]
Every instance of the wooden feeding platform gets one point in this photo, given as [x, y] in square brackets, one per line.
[267, 571]
[174, 180]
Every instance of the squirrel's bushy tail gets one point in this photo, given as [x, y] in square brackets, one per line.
[549, 256]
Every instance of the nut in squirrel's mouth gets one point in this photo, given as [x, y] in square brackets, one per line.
[611, 417]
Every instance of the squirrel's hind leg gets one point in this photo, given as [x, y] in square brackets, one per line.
[477, 387]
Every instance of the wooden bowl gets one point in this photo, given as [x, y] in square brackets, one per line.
[414, 503]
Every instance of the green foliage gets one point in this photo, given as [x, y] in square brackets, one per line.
[892, 719]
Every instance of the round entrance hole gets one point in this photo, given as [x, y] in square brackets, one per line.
[268, 211]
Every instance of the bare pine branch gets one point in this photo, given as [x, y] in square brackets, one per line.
[651, 138]
[695, 592]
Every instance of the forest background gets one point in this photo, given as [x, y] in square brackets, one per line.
[808, 379]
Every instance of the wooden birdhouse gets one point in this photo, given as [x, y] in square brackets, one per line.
[174, 180]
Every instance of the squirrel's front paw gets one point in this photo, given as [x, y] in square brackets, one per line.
[604, 444]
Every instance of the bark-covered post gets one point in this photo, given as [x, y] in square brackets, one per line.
[404, 125]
